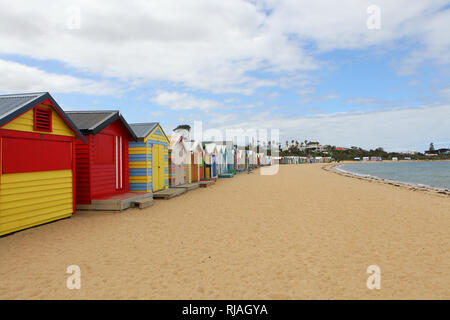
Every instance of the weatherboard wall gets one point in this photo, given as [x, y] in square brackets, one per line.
[99, 171]
[148, 162]
[36, 171]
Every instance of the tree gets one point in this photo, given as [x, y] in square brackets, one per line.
[183, 126]
[431, 147]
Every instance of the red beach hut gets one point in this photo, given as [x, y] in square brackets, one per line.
[102, 163]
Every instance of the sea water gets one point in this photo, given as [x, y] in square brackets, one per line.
[432, 174]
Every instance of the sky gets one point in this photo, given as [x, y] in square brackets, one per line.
[346, 73]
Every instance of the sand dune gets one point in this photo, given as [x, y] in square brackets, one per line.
[304, 233]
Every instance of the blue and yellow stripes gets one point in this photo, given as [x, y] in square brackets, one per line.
[141, 163]
[141, 187]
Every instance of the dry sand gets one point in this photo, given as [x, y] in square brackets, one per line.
[304, 233]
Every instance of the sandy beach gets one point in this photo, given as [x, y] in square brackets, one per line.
[304, 233]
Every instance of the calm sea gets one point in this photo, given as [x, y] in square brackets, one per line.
[435, 174]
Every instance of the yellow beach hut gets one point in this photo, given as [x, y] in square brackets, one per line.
[37, 162]
[148, 158]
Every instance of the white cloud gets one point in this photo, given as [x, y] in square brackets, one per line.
[183, 101]
[444, 93]
[214, 45]
[17, 77]
[202, 44]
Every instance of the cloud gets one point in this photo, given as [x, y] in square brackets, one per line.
[395, 129]
[363, 101]
[18, 77]
[308, 97]
[228, 46]
[183, 101]
[214, 46]
[444, 93]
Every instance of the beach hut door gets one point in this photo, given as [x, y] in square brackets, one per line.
[194, 168]
[158, 167]
[161, 167]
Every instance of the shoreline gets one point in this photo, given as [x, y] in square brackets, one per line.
[409, 186]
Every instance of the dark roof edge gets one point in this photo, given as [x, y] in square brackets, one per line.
[153, 128]
[147, 132]
[116, 116]
[36, 101]
[125, 123]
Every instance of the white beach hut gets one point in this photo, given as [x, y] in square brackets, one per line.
[177, 160]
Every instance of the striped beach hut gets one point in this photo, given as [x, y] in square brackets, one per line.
[102, 163]
[210, 156]
[177, 160]
[37, 162]
[260, 161]
[149, 158]
[251, 158]
[229, 158]
[241, 159]
[194, 161]
[221, 159]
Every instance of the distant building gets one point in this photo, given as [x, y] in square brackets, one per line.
[313, 147]
[431, 153]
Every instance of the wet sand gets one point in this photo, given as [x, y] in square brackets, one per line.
[305, 233]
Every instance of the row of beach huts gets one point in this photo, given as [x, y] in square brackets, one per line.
[300, 160]
[53, 162]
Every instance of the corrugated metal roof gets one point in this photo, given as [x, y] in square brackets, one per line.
[13, 105]
[90, 120]
[142, 130]
[12, 102]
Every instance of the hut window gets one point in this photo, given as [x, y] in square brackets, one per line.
[42, 119]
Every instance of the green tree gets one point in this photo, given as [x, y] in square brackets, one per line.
[183, 126]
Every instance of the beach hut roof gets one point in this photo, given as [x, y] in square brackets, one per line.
[92, 122]
[221, 148]
[192, 145]
[13, 105]
[142, 130]
[210, 147]
[176, 138]
[227, 144]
